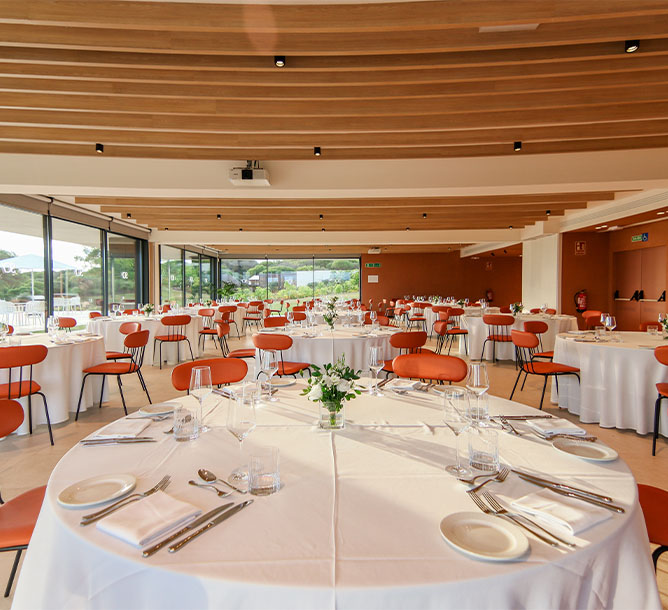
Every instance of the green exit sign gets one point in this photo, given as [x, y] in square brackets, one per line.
[372, 265]
[641, 237]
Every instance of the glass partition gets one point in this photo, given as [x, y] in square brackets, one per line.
[193, 280]
[207, 278]
[336, 276]
[243, 278]
[123, 264]
[171, 275]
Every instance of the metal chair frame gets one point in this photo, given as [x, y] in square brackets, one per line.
[174, 330]
[496, 330]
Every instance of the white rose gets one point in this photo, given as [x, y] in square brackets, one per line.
[343, 385]
[326, 380]
[315, 393]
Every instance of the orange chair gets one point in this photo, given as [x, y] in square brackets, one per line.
[18, 357]
[10, 329]
[644, 325]
[226, 315]
[125, 329]
[253, 315]
[416, 316]
[208, 330]
[535, 310]
[592, 318]
[66, 323]
[498, 331]
[165, 308]
[407, 343]
[223, 372]
[275, 321]
[550, 312]
[19, 515]
[538, 327]
[661, 354]
[222, 330]
[94, 314]
[525, 345]
[135, 343]
[244, 352]
[130, 312]
[505, 309]
[453, 316]
[654, 503]
[280, 343]
[434, 367]
[175, 327]
[298, 316]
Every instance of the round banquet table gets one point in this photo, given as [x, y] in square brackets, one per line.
[354, 525]
[109, 328]
[617, 380]
[60, 375]
[328, 346]
[506, 351]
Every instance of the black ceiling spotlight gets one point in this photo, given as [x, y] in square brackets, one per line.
[631, 46]
[323, 228]
[240, 229]
[408, 228]
[517, 146]
[316, 151]
[128, 215]
[424, 215]
[505, 251]
[321, 217]
[279, 61]
[510, 226]
[219, 216]
[493, 254]
[99, 148]
[548, 212]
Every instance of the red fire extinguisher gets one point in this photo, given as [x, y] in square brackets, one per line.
[489, 295]
[580, 299]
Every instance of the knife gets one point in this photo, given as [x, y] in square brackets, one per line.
[524, 417]
[209, 525]
[117, 441]
[562, 486]
[585, 497]
[196, 523]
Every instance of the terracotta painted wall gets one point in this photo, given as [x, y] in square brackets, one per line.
[442, 273]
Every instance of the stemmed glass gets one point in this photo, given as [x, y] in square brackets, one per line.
[373, 316]
[455, 409]
[375, 364]
[478, 383]
[270, 368]
[290, 316]
[610, 323]
[240, 423]
[200, 388]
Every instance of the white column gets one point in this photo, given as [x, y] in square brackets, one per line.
[541, 272]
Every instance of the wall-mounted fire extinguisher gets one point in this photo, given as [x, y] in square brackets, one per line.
[489, 295]
[580, 298]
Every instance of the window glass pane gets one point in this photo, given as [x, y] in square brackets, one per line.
[243, 278]
[290, 279]
[207, 285]
[77, 270]
[337, 276]
[192, 277]
[171, 275]
[123, 265]
[22, 301]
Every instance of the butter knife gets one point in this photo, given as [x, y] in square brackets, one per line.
[196, 523]
[562, 486]
[585, 497]
[209, 525]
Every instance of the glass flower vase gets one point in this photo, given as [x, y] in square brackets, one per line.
[332, 415]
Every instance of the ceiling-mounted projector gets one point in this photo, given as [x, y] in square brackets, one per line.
[251, 175]
[374, 250]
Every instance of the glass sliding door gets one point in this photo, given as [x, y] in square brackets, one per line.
[123, 265]
[207, 278]
[193, 280]
[171, 275]
[337, 276]
[22, 290]
[290, 279]
[77, 270]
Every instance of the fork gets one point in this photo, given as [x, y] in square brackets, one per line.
[488, 511]
[499, 478]
[495, 506]
[472, 480]
[88, 519]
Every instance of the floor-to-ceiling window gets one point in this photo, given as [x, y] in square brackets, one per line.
[207, 278]
[171, 275]
[193, 280]
[336, 277]
[123, 266]
[243, 278]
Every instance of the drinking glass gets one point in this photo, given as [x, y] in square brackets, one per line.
[186, 427]
[603, 317]
[264, 473]
[373, 316]
[455, 408]
[483, 448]
[240, 423]
[610, 323]
[269, 365]
[290, 316]
[478, 379]
[653, 329]
[200, 388]
[375, 364]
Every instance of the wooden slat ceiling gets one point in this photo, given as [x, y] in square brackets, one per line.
[331, 250]
[353, 214]
[362, 81]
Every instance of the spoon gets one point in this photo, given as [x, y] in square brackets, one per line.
[209, 477]
[220, 492]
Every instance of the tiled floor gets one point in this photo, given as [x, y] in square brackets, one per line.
[26, 462]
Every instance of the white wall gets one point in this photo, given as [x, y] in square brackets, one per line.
[541, 271]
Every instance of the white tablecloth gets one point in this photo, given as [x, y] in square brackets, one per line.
[355, 524]
[506, 351]
[113, 339]
[60, 375]
[617, 381]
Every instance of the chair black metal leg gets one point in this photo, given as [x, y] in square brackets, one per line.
[48, 419]
[657, 413]
[141, 378]
[482, 353]
[655, 555]
[30, 413]
[120, 388]
[12, 574]
[191, 350]
[526, 375]
[83, 383]
[543, 394]
[102, 389]
[160, 355]
[515, 386]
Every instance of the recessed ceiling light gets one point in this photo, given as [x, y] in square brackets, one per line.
[602, 227]
[321, 217]
[99, 148]
[548, 212]
[408, 228]
[219, 216]
[661, 213]
[128, 215]
[631, 46]
[279, 61]
[517, 146]
[316, 151]
[510, 226]
[424, 215]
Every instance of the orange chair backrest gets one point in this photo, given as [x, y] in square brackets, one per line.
[65, 322]
[383, 320]
[275, 321]
[222, 328]
[94, 314]
[181, 320]
[298, 316]
[496, 319]
[536, 327]
[299, 308]
[267, 341]
[534, 310]
[661, 354]
[408, 340]
[256, 305]
[130, 312]
[430, 366]
[207, 312]
[11, 416]
[138, 339]
[653, 502]
[223, 370]
[441, 326]
[129, 327]
[166, 307]
[591, 313]
[549, 311]
[22, 355]
[522, 338]
[644, 325]
[227, 308]
[505, 309]
[10, 329]
[456, 311]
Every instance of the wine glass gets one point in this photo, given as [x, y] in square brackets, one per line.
[455, 409]
[603, 317]
[610, 323]
[200, 388]
[240, 423]
[269, 365]
[478, 383]
[375, 364]
[290, 316]
[373, 316]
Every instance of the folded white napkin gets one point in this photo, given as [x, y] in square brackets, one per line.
[142, 522]
[570, 514]
[402, 384]
[557, 425]
[123, 428]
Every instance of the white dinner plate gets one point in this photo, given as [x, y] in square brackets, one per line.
[96, 490]
[587, 450]
[284, 382]
[160, 408]
[484, 536]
